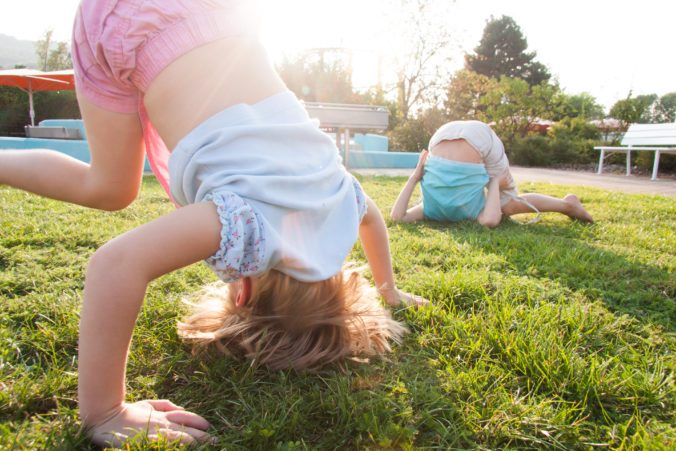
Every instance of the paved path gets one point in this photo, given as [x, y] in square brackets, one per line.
[665, 186]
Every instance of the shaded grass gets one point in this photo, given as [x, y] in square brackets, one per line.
[558, 335]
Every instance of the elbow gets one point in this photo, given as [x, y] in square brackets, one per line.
[491, 222]
[396, 217]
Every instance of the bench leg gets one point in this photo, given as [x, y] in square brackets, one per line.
[656, 164]
[628, 162]
[601, 161]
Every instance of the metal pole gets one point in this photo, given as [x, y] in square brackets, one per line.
[347, 148]
[31, 111]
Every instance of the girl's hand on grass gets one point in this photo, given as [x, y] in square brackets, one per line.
[395, 297]
[420, 168]
[158, 419]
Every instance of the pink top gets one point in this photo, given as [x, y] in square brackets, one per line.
[120, 46]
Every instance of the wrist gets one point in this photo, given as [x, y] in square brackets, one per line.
[389, 294]
[96, 417]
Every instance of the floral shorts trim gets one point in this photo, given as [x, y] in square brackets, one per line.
[242, 251]
[361, 198]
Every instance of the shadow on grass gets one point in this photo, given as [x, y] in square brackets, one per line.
[401, 403]
[558, 254]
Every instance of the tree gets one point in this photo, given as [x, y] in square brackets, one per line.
[13, 111]
[514, 106]
[464, 95]
[377, 96]
[582, 105]
[59, 58]
[502, 51]
[665, 109]
[52, 55]
[633, 110]
[414, 135]
[422, 42]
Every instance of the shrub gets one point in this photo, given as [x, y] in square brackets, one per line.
[574, 129]
[537, 150]
[410, 136]
[530, 151]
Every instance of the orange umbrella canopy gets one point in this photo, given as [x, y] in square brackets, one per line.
[37, 80]
[31, 80]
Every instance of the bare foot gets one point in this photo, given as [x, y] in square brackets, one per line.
[576, 210]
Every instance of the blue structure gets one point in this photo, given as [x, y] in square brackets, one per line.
[76, 148]
[375, 159]
[66, 123]
[374, 154]
[370, 141]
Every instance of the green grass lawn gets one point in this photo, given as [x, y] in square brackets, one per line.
[557, 335]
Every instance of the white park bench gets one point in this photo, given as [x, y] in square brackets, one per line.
[658, 138]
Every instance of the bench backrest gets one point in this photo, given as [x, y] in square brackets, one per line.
[355, 117]
[650, 135]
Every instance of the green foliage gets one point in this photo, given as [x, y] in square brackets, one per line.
[410, 136]
[574, 129]
[582, 105]
[13, 111]
[48, 105]
[558, 335]
[52, 55]
[513, 106]
[644, 109]
[633, 110]
[502, 52]
[465, 93]
[56, 105]
[14, 114]
[664, 109]
[377, 96]
[570, 141]
[59, 57]
[542, 151]
[414, 135]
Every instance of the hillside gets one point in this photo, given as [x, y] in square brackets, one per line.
[15, 51]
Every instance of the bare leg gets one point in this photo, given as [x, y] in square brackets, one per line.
[569, 205]
[112, 180]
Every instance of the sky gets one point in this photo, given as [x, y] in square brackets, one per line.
[604, 47]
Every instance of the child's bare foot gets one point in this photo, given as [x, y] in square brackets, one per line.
[576, 210]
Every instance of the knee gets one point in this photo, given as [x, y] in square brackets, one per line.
[103, 262]
[113, 260]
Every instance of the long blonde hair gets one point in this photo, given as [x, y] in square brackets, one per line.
[289, 323]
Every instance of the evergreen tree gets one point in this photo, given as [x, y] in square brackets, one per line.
[502, 51]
